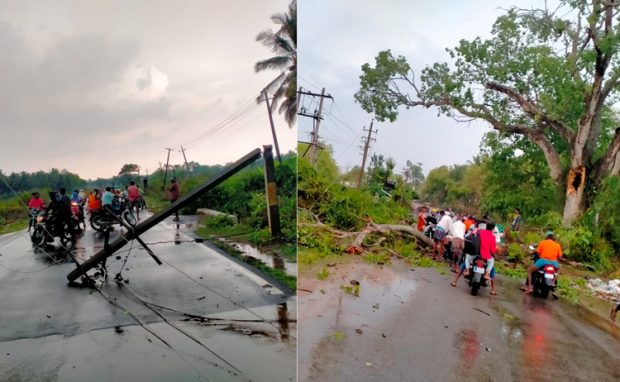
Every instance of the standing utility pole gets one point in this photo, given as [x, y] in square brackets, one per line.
[185, 159]
[314, 142]
[166, 169]
[273, 130]
[366, 145]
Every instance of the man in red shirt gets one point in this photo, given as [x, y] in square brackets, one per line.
[173, 194]
[36, 202]
[133, 194]
[488, 248]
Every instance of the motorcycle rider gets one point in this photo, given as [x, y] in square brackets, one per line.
[488, 248]
[65, 209]
[549, 253]
[36, 202]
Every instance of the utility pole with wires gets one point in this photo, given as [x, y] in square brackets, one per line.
[316, 121]
[166, 169]
[273, 129]
[185, 159]
[365, 155]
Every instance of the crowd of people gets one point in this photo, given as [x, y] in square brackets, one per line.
[468, 237]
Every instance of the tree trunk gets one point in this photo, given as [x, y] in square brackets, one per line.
[575, 185]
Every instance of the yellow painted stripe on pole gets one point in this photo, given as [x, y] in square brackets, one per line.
[272, 198]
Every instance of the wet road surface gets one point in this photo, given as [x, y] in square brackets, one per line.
[50, 331]
[413, 326]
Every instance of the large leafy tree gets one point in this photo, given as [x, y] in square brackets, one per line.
[549, 76]
[283, 43]
[412, 172]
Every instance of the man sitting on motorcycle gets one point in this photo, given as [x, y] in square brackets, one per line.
[549, 253]
[36, 202]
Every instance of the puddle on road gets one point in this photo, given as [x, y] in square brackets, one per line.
[276, 261]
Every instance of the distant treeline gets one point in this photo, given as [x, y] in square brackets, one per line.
[40, 180]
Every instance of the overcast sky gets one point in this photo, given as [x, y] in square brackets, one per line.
[88, 86]
[337, 37]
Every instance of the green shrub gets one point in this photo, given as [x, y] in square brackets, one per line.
[220, 221]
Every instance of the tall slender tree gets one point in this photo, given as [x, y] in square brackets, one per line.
[283, 43]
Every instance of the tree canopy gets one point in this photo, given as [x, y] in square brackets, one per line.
[283, 43]
[550, 76]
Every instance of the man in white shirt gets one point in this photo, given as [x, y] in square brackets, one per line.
[458, 241]
[439, 236]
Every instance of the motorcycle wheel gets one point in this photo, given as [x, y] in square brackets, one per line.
[544, 292]
[67, 240]
[97, 223]
[130, 218]
[475, 286]
[38, 237]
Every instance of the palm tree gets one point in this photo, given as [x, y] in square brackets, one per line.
[284, 44]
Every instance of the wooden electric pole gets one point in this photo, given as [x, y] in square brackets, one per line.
[366, 145]
[273, 129]
[317, 117]
[163, 186]
[185, 159]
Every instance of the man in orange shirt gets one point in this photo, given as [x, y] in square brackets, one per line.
[421, 219]
[549, 253]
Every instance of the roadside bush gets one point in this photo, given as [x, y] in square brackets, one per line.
[220, 221]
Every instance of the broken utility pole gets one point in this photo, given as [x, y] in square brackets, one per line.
[273, 129]
[157, 218]
[273, 213]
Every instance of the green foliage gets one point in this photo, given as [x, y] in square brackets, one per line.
[516, 176]
[39, 181]
[219, 221]
[377, 258]
[550, 220]
[516, 253]
[322, 274]
[260, 237]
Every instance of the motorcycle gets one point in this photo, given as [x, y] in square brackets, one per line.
[46, 230]
[543, 279]
[102, 219]
[476, 275]
[77, 216]
[32, 219]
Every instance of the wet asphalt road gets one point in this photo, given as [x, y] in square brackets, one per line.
[413, 326]
[50, 331]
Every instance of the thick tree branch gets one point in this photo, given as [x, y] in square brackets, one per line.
[533, 110]
[609, 164]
